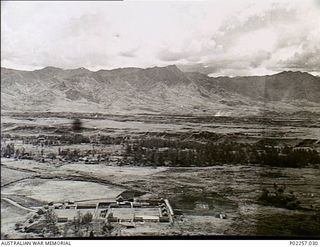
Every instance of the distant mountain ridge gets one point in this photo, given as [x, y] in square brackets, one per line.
[156, 90]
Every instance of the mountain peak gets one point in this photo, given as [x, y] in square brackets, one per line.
[172, 66]
[290, 72]
[81, 69]
[49, 68]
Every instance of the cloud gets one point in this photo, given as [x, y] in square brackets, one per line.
[219, 37]
[307, 59]
[270, 40]
[241, 24]
[172, 56]
[131, 53]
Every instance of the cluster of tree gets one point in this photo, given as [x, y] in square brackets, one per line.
[80, 226]
[75, 155]
[50, 223]
[164, 143]
[39, 140]
[203, 135]
[82, 221]
[83, 226]
[279, 197]
[191, 153]
[8, 150]
[108, 140]
[68, 154]
[289, 157]
[195, 155]
[5, 136]
[53, 140]
[74, 139]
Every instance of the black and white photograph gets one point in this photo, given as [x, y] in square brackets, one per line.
[160, 119]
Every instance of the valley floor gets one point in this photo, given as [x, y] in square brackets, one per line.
[211, 200]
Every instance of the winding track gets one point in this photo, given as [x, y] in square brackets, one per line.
[17, 205]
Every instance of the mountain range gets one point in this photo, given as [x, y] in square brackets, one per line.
[157, 90]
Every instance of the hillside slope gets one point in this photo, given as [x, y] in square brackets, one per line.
[156, 90]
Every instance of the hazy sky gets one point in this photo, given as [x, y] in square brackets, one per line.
[217, 37]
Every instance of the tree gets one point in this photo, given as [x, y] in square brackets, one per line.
[86, 220]
[50, 219]
[76, 222]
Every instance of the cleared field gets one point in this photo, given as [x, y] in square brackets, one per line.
[26, 165]
[10, 176]
[58, 191]
[115, 174]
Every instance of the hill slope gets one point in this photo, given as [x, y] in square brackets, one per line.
[156, 90]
